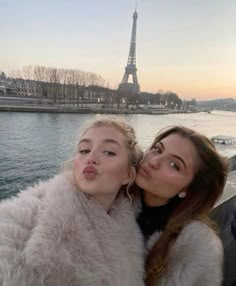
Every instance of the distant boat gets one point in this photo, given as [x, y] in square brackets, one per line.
[205, 110]
[225, 140]
[226, 145]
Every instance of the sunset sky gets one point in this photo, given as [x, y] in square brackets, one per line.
[184, 46]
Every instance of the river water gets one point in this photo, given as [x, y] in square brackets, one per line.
[34, 146]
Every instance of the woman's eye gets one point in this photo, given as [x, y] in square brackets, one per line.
[157, 149]
[109, 153]
[84, 151]
[174, 166]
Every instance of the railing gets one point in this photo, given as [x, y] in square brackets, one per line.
[232, 163]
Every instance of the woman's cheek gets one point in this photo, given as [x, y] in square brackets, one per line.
[76, 162]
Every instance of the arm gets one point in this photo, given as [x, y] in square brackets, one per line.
[17, 219]
[21, 210]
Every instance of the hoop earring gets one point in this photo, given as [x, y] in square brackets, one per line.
[182, 195]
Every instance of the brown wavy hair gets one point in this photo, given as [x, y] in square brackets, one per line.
[204, 190]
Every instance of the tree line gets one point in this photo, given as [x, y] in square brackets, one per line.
[76, 86]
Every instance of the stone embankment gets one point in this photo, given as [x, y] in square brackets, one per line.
[71, 109]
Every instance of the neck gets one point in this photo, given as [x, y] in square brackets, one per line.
[106, 201]
[153, 201]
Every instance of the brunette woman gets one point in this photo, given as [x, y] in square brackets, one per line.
[181, 177]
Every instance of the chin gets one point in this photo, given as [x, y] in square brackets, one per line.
[86, 190]
[139, 182]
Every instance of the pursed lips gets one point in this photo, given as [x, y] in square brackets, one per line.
[144, 172]
[90, 172]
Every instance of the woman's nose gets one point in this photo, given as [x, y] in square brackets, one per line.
[92, 158]
[154, 162]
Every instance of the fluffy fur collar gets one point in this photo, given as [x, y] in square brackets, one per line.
[195, 259]
[67, 238]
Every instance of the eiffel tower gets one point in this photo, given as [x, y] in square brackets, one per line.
[130, 69]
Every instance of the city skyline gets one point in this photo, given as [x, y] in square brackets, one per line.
[187, 47]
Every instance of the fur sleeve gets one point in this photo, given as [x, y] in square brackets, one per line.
[196, 258]
[17, 219]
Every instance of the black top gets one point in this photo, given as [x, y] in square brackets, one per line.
[233, 225]
[152, 219]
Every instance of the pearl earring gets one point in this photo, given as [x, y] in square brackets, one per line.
[182, 195]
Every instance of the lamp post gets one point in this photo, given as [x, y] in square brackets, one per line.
[98, 102]
[123, 103]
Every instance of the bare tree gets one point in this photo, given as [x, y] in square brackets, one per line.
[66, 85]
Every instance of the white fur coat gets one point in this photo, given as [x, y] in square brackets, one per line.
[54, 235]
[195, 259]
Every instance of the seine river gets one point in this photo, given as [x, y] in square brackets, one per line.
[34, 146]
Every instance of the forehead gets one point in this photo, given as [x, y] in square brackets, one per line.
[103, 133]
[182, 147]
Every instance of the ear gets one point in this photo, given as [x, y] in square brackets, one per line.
[131, 176]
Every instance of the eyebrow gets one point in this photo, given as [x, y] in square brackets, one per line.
[108, 140]
[174, 155]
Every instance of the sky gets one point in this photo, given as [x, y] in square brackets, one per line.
[184, 46]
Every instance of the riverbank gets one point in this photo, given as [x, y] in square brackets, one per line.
[71, 109]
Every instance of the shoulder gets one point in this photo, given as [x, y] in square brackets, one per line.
[197, 232]
[198, 241]
[44, 188]
[196, 228]
[197, 255]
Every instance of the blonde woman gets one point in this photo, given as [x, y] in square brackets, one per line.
[77, 228]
